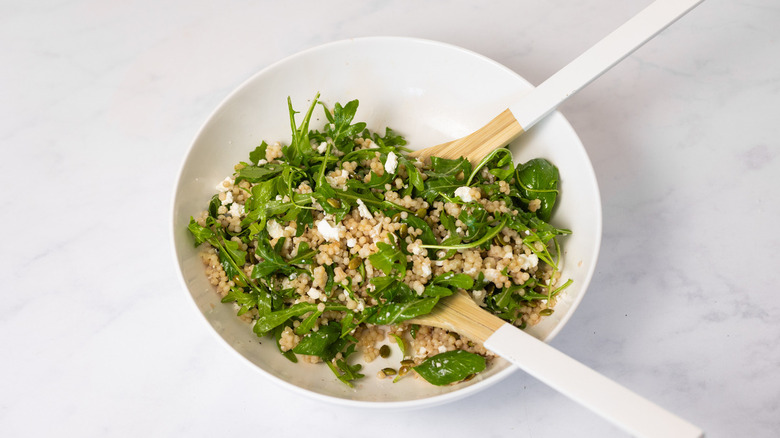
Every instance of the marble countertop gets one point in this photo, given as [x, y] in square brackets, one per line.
[100, 101]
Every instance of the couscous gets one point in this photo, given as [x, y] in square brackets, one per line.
[329, 244]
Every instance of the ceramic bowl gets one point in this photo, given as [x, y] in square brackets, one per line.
[431, 93]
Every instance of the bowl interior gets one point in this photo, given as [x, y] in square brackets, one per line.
[431, 93]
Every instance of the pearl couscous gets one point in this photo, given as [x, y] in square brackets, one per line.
[330, 244]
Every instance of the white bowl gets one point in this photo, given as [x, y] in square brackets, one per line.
[431, 93]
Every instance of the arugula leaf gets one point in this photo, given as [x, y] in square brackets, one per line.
[266, 322]
[388, 259]
[340, 128]
[324, 343]
[264, 172]
[391, 138]
[201, 234]
[394, 313]
[278, 336]
[461, 281]
[343, 370]
[247, 300]
[450, 367]
[258, 154]
[300, 145]
[538, 179]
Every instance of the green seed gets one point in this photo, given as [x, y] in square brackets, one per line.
[384, 351]
[407, 363]
[396, 217]
[335, 203]
[403, 370]
[498, 240]
[469, 377]
[389, 371]
[403, 231]
[454, 335]
[355, 262]
[546, 312]
[421, 212]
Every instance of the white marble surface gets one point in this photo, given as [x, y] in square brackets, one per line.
[98, 104]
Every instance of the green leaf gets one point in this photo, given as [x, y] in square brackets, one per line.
[415, 177]
[264, 172]
[278, 336]
[246, 300]
[388, 259]
[401, 344]
[258, 154]
[268, 321]
[461, 281]
[391, 138]
[201, 234]
[394, 313]
[432, 290]
[538, 179]
[450, 367]
[325, 342]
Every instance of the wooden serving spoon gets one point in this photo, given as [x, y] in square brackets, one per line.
[459, 313]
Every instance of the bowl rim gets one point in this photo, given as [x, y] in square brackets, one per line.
[437, 399]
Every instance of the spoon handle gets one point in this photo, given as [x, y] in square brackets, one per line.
[634, 414]
[598, 59]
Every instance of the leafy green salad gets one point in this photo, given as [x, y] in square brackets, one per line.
[341, 229]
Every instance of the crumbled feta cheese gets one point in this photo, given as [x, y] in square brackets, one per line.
[278, 197]
[363, 210]
[225, 185]
[322, 147]
[328, 231]
[228, 198]
[314, 293]
[442, 349]
[528, 261]
[426, 269]
[262, 161]
[236, 209]
[391, 163]
[464, 193]
[274, 229]
[351, 242]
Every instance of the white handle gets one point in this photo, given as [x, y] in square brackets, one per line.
[625, 409]
[598, 59]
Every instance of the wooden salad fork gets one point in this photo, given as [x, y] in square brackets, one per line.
[461, 314]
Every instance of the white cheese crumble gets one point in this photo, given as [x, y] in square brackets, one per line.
[314, 293]
[351, 242]
[464, 193]
[274, 229]
[328, 231]
[225, 185]
[363, 210]
[322, 147]
[391, 163]
[228, 198]
[236, 209]
[442, 349]
[262, 161]
[426, 268]
[528, 261]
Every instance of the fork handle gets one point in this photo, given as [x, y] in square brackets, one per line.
[598, 59]
[624, 408]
